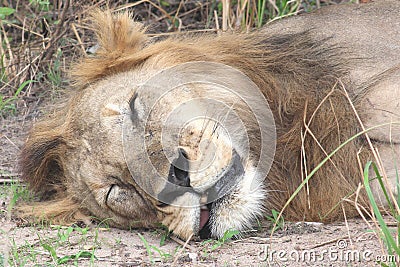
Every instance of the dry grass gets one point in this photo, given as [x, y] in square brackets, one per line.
[41, 38]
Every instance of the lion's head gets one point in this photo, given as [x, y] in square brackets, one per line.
[154, 136]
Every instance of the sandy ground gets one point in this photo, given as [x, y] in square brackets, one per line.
[296, 244]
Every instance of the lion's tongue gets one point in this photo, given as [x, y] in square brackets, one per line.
[204, 215]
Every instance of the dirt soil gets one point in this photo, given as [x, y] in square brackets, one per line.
[297, 245]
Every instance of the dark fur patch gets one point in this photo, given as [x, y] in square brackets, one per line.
[40, 165]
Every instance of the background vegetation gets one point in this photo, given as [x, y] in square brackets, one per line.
[40, 38]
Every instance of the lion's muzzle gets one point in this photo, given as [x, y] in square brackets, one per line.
[179, 184]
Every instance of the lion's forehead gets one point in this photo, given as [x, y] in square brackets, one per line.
[113, 92]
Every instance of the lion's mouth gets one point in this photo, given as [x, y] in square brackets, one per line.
[204, 216]
[230, 178]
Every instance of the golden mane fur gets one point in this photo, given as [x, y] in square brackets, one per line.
[299, 77]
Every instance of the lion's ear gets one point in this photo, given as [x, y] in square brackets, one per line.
[118, 37]
[41, 164]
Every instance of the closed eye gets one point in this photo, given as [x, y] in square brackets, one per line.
[109, 191]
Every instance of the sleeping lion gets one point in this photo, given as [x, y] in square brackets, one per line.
[207, 133]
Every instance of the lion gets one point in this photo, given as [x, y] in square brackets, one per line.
[169, 132]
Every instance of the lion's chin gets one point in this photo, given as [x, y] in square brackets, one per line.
[237, 210]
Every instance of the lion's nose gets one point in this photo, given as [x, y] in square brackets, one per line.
[178, 178]
[179, 170]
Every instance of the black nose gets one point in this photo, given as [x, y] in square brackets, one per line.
[178, 178]
[178, 172]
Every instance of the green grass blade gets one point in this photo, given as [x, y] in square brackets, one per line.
[64, 259]
[51, 250]
[6, 11]
[22, 86]
[379, 177]
[163, 255]
[148, 248]
[260, 12]
[84, 254]
[391, 243]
